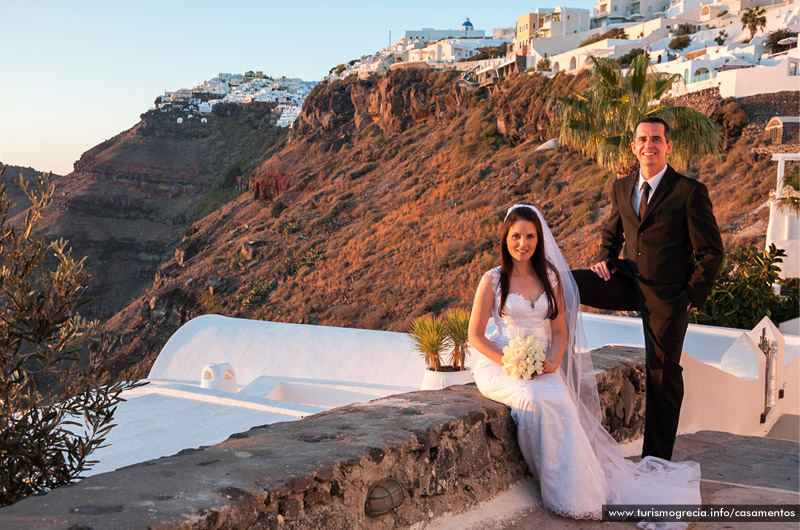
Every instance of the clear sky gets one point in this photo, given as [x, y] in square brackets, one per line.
[73, 74]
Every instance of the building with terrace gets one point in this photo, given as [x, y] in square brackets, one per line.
[563, 21]
[527, 26]
[545, 23]
[696, 8]
[452, 50]
[611, 11]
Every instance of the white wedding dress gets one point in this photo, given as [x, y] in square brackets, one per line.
[578, 465]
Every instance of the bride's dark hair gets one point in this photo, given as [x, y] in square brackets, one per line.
[540, 264]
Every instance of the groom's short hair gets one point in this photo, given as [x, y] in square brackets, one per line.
[653, 119]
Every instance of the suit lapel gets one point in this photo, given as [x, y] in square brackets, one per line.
[630, 184]
[663, 189]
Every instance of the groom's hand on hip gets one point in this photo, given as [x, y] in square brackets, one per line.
[603, 270]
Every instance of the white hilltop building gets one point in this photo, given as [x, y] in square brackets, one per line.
[452, 50]
[556, 34]
[289, 93]
[577, 58]
[429, 34]
[504, 33]
[427, 47]
[562, 28]
[695, 8]
[611, 11]
[737, 68]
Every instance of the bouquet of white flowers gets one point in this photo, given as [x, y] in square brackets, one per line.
[523, 357]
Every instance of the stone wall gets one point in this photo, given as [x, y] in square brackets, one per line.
[448, 450]
[703, 101]
[620, 383]
[759, 108]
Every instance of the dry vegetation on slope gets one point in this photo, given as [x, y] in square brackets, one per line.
[385, 204]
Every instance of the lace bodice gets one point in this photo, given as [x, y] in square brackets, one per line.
[521, 317]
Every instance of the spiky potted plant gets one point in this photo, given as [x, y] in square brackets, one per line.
[429, 338]
[456, 327]
[432, 336]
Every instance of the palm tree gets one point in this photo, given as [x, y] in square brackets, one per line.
[599, 122]
[754, 18]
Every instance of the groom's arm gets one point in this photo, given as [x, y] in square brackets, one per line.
[706, 243]
[612, 239]
[613, 236]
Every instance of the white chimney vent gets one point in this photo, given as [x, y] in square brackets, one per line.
[219, 377]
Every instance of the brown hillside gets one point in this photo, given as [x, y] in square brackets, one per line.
[129, 200]
[384, 205]
[11, 177]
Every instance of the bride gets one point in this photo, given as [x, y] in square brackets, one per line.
[579, 465]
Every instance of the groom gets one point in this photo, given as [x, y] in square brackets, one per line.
[663, 224]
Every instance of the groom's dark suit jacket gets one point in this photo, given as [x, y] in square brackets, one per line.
[668, 259]
[675, 252]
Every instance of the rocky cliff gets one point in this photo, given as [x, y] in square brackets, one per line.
[384, 205]
[129, 200]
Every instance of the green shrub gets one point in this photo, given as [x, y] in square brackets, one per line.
[289, 228]
[221, 191]
[625, 60]
[791, 198]
[680, 42]
[543, 64]
[210, 303]
[773, 37]
[615, 33]
[53, 413]
[480, 56]
[257, 294]
[742, 294]
[311, 258]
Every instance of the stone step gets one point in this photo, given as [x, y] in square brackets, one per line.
[520, 508]
[743, 460]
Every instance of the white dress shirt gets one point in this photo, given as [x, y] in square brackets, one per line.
[636, 198]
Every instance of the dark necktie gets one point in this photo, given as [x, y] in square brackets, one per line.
[645, 196]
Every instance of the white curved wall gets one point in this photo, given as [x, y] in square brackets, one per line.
[255, 348]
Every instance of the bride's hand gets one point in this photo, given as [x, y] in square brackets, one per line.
[549, 367]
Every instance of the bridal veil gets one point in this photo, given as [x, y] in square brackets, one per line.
[648, 482]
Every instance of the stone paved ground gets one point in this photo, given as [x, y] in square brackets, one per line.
[735, 470]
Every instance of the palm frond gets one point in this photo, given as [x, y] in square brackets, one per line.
[637, 74]
[693, 135]
[599, 122]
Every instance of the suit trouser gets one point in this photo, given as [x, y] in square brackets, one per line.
[664, 331]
